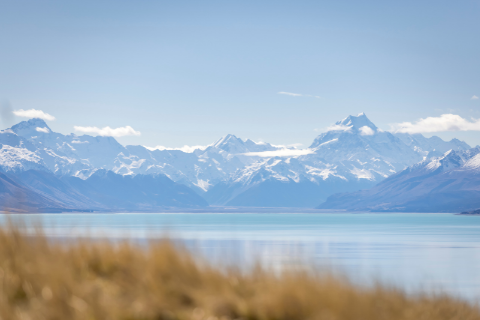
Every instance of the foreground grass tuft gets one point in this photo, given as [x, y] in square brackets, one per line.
[92, 280]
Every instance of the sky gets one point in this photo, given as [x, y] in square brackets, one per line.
[175, 73]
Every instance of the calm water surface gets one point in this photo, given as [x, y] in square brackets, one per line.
[412, 251]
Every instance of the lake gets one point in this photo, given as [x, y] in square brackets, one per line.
[411, 251]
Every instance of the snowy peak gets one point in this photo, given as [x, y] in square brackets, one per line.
[466, 159]
[228, 140]
[452, 160]
[31, 127]
[473, 163]
[233, 145]
[352, 127]
[34, 122]
[353, 130]
[359, 123]
[31, 124]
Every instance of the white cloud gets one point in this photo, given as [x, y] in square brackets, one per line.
[446, 122]
[44, 130]
[299, 94]
[295, 145]
[280, 153]
[474, 97]
[33, 113]
[366, 131]
[107, 131]
[187, 149]
[291, 94]
[290, 146]
[338, 127]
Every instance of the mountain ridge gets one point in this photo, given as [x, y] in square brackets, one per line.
[450, 183]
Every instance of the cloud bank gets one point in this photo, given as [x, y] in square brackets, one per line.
[107, 131]
[33, 113]
[280, 153]
[446, 122]
[185, 148]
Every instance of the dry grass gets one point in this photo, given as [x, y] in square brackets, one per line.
[91, 280]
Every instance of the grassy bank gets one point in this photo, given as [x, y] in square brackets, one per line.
[92, 280]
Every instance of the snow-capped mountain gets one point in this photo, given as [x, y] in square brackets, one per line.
[200, 169]
[450, 183]
[69, 154]
[353, 154]
[359, 142]
[82, 155]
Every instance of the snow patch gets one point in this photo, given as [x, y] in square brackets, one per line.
[323, 173]
[473, 163]
[330, 141]
[362, 174]
[203, 184]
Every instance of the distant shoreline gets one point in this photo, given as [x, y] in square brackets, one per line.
[470, 213]
[212, 209]
[227, 210]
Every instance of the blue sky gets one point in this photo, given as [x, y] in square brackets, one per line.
[189, 72]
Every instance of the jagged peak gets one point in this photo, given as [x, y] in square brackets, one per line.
[229, 138]
[451, 159]
[465, 154]
[32, 124]
[357, 122]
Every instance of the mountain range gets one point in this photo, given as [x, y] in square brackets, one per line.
[50, 170]
[354, 154]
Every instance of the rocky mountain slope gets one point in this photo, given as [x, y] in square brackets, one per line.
[15, 197]
[42, 191]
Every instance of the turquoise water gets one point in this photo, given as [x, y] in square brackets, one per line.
[411, 251]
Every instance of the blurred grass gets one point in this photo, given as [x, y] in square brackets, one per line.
[41, 279]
